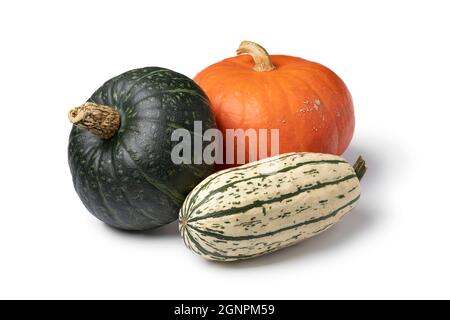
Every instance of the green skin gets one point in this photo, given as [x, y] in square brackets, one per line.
[129, 181]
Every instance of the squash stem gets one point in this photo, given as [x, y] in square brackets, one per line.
[259, 55]
[102, 121]
[360, 167]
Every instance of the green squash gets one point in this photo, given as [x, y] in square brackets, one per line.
[120, 147]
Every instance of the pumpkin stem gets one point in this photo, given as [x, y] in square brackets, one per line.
[259, 55]
[360, 167]
[102, 121]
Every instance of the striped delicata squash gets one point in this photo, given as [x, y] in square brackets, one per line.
[267, 205]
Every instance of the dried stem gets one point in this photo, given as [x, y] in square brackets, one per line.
[101, 120]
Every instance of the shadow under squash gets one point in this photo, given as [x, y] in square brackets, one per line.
[352, 226]
[169, 230]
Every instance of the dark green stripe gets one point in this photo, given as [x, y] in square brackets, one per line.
[183, 233]
[260, 203]
[239, 238]
[192, 196]
[215, 255]
[286, 169]
[207, 244]
[223, 172]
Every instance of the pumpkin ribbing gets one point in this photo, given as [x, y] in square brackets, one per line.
[128, 180]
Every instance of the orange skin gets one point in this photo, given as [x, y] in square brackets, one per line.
[307, 102]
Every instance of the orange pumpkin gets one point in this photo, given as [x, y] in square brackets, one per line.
[307, 102]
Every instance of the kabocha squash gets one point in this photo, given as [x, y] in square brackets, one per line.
[260, 207]
[307, 102]
[120, 147]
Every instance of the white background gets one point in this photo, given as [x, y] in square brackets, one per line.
[394, 57]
